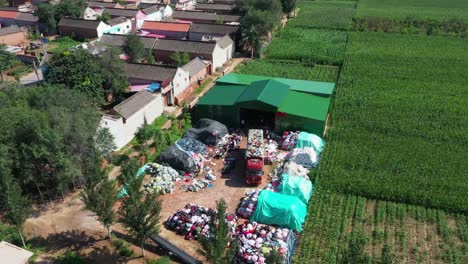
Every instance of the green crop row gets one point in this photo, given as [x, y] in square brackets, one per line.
[290, 69]
[320, 46]
[329, 15]
[399, 123]
[407, 231]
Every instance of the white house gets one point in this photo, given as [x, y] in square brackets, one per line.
[92, 13]
[153, 13]
[119, 25]
[86, 29]
[12, 254]
[164, 8]
[125, 118]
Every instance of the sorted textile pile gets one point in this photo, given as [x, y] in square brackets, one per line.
[289, 140]
[256, 241]
[248, 204]
[307, 157]
[295, 169]
[191, 145]
[255, 143]
[271, 150]
[193, 221]
[163, 178]
[199, 184]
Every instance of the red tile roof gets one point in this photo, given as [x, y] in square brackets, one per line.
[8, 14]
[166, 26]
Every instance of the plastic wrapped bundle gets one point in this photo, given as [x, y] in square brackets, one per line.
[307, 157]
[295, 169]
[289, 140]
[248, 204]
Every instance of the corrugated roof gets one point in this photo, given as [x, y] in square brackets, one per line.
[222, 95]
[118, 12]
[79, 23]
[116, 20]
[200, 47]
[165, 26]
[154, 73]
[134, 104]
[225, 41]
[194, 66]
[29, 17]
[221, 7]
[267, 91]
[119, 41]
[305, 105]
[213, 28]
[8, 14]
[9, 30]
[319, 88]
[151, 9]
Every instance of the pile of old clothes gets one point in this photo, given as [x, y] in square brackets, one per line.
[255, 146]
[295, 169]
[199, 184]
[271, 151]
[256, 241]
[289, 140]
[163, 179]
[193, 221]
[248, 204]
[209, 174]
[306, 157]
[191, 145]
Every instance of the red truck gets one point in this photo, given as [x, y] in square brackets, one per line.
[254, 157]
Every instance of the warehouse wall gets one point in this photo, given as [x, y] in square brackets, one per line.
[292, 122]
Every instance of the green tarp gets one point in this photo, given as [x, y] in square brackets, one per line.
[310, 140]
[297, 186]
[279, 209]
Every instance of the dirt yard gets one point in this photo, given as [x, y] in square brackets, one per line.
[66, 225]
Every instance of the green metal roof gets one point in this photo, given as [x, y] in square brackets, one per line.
[267, 91]
[320, 88]
[305, 105]
[222, 95]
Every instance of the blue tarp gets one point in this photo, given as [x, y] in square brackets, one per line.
[310, 140]
[141, 172]
[296, 186]
[281, 210]
[153, 87]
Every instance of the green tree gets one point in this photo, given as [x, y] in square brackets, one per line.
[140, 213]
[134, 48]
[214, 246]
[3, 3]
[100, 195]
[128, 172]
[104, 142]
[288, 6]
[113, 72]
[104, 16]
[176, 58]
[150, 58]
[77, 70]
[7, 60]
[70, 8]
[255, 24]
[47, 17]
[17, 207]
[184, 59]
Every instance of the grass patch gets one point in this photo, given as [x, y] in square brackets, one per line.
[203, 86]
[62, 44]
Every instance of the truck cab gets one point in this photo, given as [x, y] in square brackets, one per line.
[254, 171]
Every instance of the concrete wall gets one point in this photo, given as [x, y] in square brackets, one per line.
[181, 81]
[156, 16]
[124, 132]
[123, 28]
[14, 39]
[221, 56]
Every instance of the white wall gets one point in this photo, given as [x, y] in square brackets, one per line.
[124, 133]
[156, 16]
[181, 81]
[221, 56]
[91, 14]
[103, 27]
[123, 28]
[168, 11]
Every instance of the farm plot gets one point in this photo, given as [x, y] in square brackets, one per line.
[327, 15]
[290, 69]
[402, 233]
[400, 9]
[399, 123]
[320, 46]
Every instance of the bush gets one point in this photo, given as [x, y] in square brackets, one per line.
[123, 248]
[162, 260]
[71, 258]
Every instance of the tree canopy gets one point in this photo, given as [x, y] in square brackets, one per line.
[134, 48]
[47, 134]
[50, 15]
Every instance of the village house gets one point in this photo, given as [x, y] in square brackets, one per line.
[166, 9]
[81, 28]
[153, 13]
[119, 25]
[184, 4]
[205, 17]
[125, 118]
[218, 52]
[119, 41]
[200, 31]
[171, 80]
[168, 29]
[198, 70]
[21, 19]
[136, 16]
[13, 36]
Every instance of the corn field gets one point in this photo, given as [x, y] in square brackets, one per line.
[327, 15]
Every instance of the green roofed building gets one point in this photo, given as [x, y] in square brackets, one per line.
[260, 101]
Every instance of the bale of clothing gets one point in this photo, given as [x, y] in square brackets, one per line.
[163, 178]
[289, 140]
[257, 241]
[271, 151]
[193, 220]
[255, 146]
[306, 157]
[248, 204]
